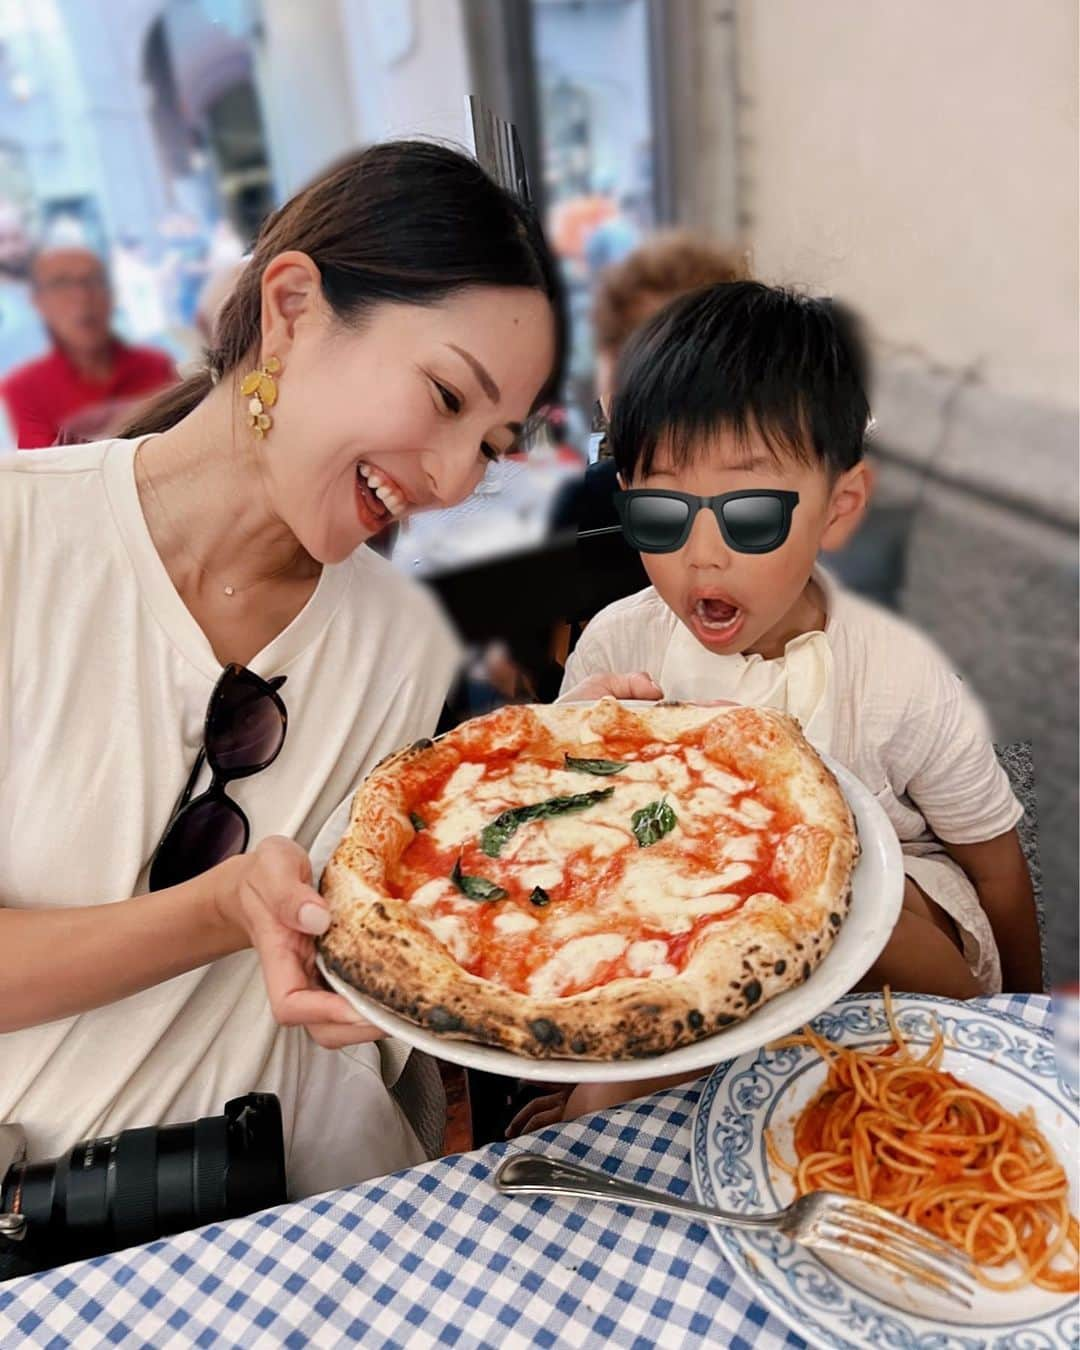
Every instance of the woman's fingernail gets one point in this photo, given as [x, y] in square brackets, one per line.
[314, 919]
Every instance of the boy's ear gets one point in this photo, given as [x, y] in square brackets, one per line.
[848, 501]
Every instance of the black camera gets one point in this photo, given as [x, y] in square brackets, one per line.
[139, 1185]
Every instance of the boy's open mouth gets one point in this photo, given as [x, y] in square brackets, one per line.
[716, 615]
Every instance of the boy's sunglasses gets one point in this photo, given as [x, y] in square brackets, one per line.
[754, 521]
[244, 732]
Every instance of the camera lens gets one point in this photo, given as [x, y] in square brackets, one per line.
[146, 1183]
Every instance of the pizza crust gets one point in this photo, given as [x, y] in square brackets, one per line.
[379, 947]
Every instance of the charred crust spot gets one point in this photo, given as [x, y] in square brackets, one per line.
[780, 967]
[835, 919]
[806, 970]
[752, 992]
[695, 1020]
[677, 1028]
[725, 1019]
[578, 1046]
[424, 743]
[545, 1031]
[442, 1019]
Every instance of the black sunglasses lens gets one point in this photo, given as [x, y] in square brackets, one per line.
[205, 833]
[654, 524]
[246, 729]
[755, 523]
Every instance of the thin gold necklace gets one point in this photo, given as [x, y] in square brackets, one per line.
[229, 589]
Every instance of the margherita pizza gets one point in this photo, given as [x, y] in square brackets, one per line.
[591, 881]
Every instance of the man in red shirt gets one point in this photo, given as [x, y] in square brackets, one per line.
[79, 389]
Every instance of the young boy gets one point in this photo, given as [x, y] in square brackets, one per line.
[743, 388]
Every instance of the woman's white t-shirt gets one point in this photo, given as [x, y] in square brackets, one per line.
[104, 683]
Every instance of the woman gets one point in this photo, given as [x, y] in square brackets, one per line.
[396, 324]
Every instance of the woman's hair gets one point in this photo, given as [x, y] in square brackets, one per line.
[670, 264]
[404, 221]
[749, 359]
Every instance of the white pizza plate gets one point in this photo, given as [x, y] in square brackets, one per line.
[877, 895]
[1007, 1058]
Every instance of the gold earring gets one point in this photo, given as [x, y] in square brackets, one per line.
[260, 389]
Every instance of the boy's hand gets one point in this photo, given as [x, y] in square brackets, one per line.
[539, 1113]
[639, 685]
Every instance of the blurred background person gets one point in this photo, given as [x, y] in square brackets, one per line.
[90, 376]
[669, 265]
[629, 293]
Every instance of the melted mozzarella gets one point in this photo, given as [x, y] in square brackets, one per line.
[552, 841]
[576, 963]
[464, 778]
[719, 778]
[431, 892]
[562, 927]
[754, 812]
[454, 934]
[642, 958]
[513, 921]
[545, 875]
[741, 847]
[707, 803]
[668, 772]
[670, 900]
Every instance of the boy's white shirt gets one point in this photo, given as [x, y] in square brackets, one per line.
[869, 690]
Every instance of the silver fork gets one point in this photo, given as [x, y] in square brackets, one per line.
[838, 1226]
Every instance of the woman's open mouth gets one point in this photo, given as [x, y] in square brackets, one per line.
[379, 500]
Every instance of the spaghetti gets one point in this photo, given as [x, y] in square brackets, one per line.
[893, 1128]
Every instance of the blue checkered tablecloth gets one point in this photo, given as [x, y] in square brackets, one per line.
[433, 1257]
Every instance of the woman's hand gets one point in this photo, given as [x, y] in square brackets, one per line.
[270, 896]
[639, 685]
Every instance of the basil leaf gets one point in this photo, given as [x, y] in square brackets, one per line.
[418, 822]
[652, 822]
[476, 888]
[539, 896]
[598, 766]
[495, 835]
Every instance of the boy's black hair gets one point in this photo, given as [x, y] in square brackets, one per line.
[748, 358]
